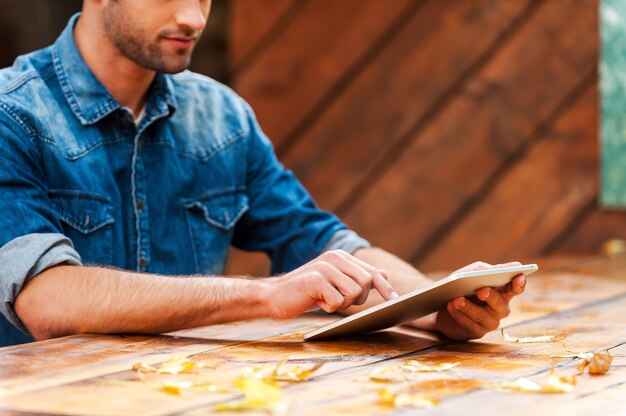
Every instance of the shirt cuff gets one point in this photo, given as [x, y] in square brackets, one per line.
[24, 258]
[346, 240]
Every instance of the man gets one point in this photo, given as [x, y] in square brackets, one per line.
[120, 174]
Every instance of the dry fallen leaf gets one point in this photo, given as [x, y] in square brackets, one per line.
[297, 373]
[263, 373]
[175, 365]
[258, 394]
[261, 389]
[387, 375]
[406, 399]
[596, 365]
[554, 384]
[293, 374]
[176, 387]
[528, 340]
[414, 366]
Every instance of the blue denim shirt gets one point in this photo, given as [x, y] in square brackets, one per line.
[81, 183]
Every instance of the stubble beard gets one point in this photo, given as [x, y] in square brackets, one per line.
[137, 47]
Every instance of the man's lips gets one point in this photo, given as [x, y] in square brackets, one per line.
[181, 42]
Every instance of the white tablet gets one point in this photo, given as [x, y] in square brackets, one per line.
[420, 302]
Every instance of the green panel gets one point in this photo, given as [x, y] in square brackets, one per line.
[613, 103]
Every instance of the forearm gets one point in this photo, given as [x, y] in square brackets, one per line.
[402, 276]
[66, 300]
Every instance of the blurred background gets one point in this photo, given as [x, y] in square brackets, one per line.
[442, 131]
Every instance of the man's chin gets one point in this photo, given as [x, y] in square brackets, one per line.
[172, 67]
[157, 63]
[175, 70]
[181, 63]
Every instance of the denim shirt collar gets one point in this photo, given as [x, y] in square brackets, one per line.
[89, 100]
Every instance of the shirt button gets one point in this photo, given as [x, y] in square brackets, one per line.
[140, 204]
[143, 262]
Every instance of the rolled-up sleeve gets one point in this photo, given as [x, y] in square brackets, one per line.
[25, 257]
[346, 240]
[31, 234]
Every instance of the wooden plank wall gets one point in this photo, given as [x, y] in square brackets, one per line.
[443, 131]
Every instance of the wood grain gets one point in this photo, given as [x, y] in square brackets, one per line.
[393, 93]
[44, 364]
[493, 115]
[321, 44]
[489, 359]
[250, 22]
[596, 227]
[91, 375]
[413, 125]
[531, 210]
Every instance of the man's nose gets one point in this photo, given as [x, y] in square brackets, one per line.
[193, 15]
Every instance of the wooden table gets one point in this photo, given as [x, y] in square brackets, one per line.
[582, 299]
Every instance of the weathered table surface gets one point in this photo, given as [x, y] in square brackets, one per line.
[584, 299]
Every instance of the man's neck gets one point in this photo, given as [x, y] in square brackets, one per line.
[127, 81]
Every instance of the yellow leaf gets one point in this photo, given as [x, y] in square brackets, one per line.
[559, 384]
[528, 340]
[176, 387]
[406, 399]
[144, 368]
[294, 374]
[596, 365]
[258, 394]
[265, 373]
[553, 384]
[258, 390]
[386, 375]
[415, 366]
[257, 372]
[387, 397]
[274, 373]
[520, 385]
[297, 373]
[175, 365]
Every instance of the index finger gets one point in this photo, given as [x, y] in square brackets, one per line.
[384, 287]
[379, 280]
[379, 277]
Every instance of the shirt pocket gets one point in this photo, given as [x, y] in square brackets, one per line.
[211, 219]
[87, 220]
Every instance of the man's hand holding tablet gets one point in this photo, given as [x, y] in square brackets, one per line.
[467, 304]
[463, 319]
